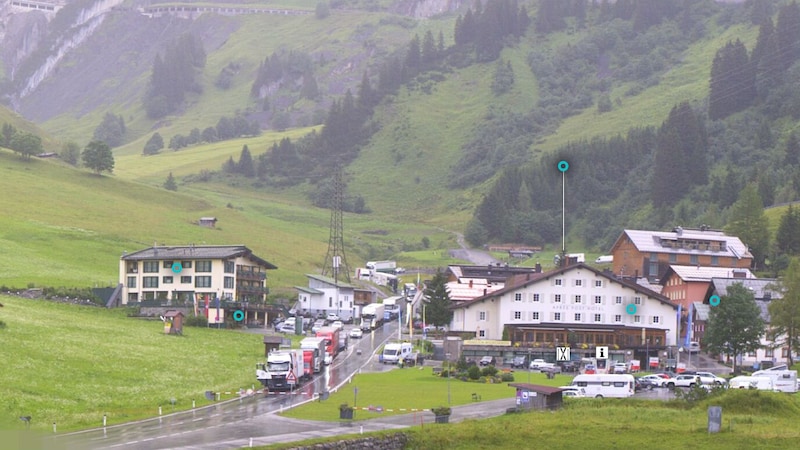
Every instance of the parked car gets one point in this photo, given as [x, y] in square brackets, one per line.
[332, 317]
[518, 361]
[550, 368]
[338, 324]
[486, 361]
[287, 327]
[317, 325]
[536, 364]
[682, 381]
[656, 380]
[694, 347]
[356, 333]
[619, 368]
[643, 383]
[573, 391]
[568, 366]
[710, 378]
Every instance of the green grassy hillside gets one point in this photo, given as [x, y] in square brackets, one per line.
[134, 367]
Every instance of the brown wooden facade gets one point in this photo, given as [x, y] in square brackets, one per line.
[576, 337]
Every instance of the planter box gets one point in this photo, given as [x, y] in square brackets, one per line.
[443, 419]
[346, 414]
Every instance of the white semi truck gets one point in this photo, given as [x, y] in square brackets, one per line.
[372, 316]
[382, 266]
[283, 371]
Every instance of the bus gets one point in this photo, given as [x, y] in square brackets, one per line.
[599, 386]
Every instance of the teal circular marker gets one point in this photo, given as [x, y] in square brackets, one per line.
[563, 166]
[714, 300]
[238, 315]
[630, 309]
[177, 267]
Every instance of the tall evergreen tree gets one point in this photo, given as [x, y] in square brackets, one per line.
[766, 58]
[438, 310]
[414, 55]
[670, 178]
[787, 31]
[792, 157]
[784, 312]
[693, 138]
[748, 222]
[732, 86]
[245, 165]
[787, 238]
[549, 17]
[170, 183]
[429, 52]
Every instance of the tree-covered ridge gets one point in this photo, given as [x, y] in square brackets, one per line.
[173, 76]
[691, 171]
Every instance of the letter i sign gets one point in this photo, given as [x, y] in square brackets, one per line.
[601, 352]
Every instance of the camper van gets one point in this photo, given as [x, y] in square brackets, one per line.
[599, 386]
[783, 379]
[396, 352]
[605, 259]
[760, 383]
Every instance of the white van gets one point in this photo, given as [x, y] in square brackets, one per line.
[760, 383]
[395, 352]
[599, 386]
[605, 259]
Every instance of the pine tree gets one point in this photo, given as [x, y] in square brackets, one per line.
[787, 238]
[792, 157]
[309, 89]
[766, 58]
[748, 222]
[154, 144]
[732, 85]
[438, 310]
[413, 55]
[670, 181]
[787, 31]
[245, 165]
[170, 184]
[429, 53]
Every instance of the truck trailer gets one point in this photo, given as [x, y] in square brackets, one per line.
[372, 316]
[316, 346]
[331, 337]
[284, 370]
[382, 266]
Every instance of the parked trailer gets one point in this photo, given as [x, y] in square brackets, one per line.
[382, 266]
[600, 386]
[784, 380]
[283, 371]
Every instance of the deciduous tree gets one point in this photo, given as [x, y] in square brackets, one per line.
[784, 312]
[98, 157]
[735, 325]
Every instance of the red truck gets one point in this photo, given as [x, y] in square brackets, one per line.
[331, 336]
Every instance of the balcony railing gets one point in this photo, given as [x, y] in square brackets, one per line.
[252, 289]
[251, 274]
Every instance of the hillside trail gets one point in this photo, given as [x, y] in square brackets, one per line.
[477, 257]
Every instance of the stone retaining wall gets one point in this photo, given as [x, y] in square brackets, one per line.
[395, 441]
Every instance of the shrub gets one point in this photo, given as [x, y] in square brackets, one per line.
[2, 325]
[196, 321]
[441, 411]
[473, 372]
[489, 371]
[507, 377]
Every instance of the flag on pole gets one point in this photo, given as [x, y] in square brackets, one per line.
[206, 312]
[689, 328]
[195, 305]
[678, 336]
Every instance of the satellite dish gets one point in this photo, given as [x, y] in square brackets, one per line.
[163, 319]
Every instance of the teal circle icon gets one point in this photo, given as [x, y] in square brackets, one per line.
[630, 309]
[238, 315]
[714, 300]
[177, 267]
[563, 166]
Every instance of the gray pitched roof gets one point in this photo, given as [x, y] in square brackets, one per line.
[329, 280]
[184, 252]
[701, 310]
[763, 290]
[308, 290]
[660, 242]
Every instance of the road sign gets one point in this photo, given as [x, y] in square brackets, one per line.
[562, 354]
[291, 378]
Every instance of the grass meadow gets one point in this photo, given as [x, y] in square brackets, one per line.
[71, 364]
[409, 388]
[750, 419]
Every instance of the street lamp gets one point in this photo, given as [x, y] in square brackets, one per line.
[447, 355]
